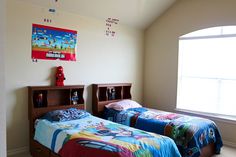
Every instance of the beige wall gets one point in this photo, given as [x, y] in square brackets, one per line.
[161, 49]
[101, 59]
[2, 93]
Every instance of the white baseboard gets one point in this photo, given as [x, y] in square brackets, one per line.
[228, 143]
[13, 152]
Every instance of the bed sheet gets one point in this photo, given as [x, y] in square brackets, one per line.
[189, 133]
[92, 136]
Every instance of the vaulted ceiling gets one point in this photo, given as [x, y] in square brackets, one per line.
[134, 13]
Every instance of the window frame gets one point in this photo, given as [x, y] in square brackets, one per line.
[216, 116]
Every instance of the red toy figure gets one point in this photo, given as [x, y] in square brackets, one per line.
[60, 76]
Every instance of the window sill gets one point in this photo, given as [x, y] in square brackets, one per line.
[218, 117]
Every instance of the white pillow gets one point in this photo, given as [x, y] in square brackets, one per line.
[123, 105]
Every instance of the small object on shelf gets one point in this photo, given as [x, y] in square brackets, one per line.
[74, 98]
[60, 76]
[39, 100]
[111, 94]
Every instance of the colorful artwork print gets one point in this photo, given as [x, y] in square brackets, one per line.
[53, 43]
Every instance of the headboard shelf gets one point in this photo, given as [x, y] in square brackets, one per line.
[104, 94]
[46, 98]
[109, 101]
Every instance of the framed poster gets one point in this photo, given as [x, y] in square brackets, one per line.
[53, 43]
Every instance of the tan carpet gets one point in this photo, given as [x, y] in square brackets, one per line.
[225, 152]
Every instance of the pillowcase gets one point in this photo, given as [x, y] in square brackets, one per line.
[123, 105]
[65, 115]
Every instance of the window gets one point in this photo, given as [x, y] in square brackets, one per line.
[207, 71]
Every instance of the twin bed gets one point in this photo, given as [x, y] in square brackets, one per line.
[194, 136]
[60, 129]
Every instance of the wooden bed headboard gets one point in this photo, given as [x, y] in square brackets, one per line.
[42, 99]
[104, 94]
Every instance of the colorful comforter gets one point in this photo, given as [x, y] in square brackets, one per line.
[189, 133]
[95, 137]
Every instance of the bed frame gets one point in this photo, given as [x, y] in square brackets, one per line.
[42, 99]
[102, 96]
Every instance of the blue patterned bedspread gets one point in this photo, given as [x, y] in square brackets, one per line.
[189, 133]
[95, 137]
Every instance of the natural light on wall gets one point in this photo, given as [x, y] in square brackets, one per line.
[207, 71]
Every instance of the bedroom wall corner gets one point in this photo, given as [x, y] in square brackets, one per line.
[2, 82]
[100, 59]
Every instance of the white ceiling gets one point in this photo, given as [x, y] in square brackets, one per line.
[135, 13]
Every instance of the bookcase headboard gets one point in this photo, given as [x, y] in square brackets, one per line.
[104, 94]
